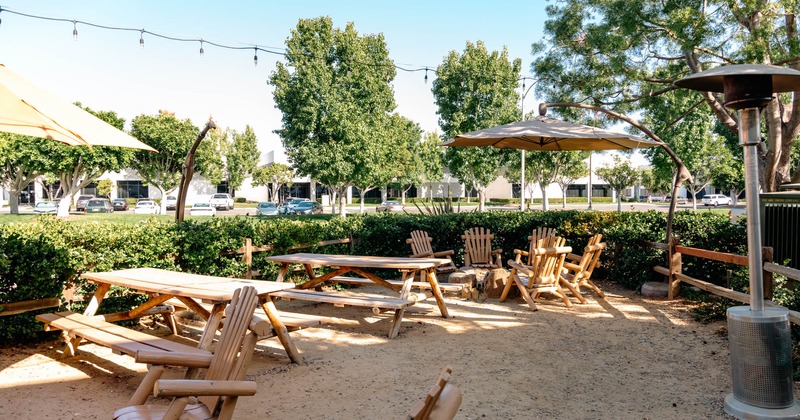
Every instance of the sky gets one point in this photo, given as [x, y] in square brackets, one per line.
[107, 70]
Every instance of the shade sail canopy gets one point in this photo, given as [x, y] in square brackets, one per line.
[543, 133]
[28, 110]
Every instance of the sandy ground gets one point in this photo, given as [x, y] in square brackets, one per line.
[620, 358]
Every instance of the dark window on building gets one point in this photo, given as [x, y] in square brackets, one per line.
[576, 191]
[52, 191]
[222, 188]
[90, 189]
[27, 195]
[132, 189]
[297, 190]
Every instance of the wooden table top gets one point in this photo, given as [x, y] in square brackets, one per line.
[402, 263]
[209, 288]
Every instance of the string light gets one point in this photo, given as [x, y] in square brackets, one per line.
[269, 50]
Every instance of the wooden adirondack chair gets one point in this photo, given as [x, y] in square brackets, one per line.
[421, 248]
[544, 276]
[478, 252]
[534, 241]
[223, 382]
[441, 402]
[578, 271]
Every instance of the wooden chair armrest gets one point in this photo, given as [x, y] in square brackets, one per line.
[521, 252]
[524, 269]
[422, 255]
[574, 257]
[200, 388]
[444, 253]
[595, 247]
[497, 251]
[572, 266]
[174, 358]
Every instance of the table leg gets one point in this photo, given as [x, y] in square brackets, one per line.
[73, 341]
[281, 331]
[437, 293]
[282, 272]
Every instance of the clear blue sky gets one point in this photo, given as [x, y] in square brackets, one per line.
[107, 70]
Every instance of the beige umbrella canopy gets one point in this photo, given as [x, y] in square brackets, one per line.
[28, 110]
[543, 133]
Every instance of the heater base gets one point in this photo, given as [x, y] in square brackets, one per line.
[742, 410]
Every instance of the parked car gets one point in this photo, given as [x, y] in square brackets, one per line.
[45, 207]
[266, 208]
[80, 205]
[390, 206]
[679, 200]
[716, 200]
[202, 209]
[99, 205]
[119, 204]
[308, 207]
[290, 204]
[222, 201]
[146, 207]
[172, 202]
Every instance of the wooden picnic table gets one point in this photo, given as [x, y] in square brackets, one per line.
[360, 265]
[190, 289]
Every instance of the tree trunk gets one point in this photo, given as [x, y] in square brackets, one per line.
[343, 202]
[619, 201]
[361, 193]
[163, 204]
[431, 191]
[384, 193]
[563, 198]
[481, 200]
[545, 201]
[13, 202]
[63, 205]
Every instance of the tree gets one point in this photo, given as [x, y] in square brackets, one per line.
[213, 148]
[334, 92]
[172, 138]
[693, 138]
[20, 163]
[476, 90]
[104, 187]
[273, 175]
[619, 176]
[77, 166]
[242, 157]
[546, 168]
[655, 182]
[574, 167]
[622, 53]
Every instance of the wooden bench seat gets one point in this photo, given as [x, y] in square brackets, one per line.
[119, 339]
[345, 299]
[424, 285]
[292, 320]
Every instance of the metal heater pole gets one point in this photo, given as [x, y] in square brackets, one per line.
[749, 138]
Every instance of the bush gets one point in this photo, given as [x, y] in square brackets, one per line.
[239, 200]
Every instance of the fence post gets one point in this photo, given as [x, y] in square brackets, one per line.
[675, 267]
[769, 284]
[247, 258]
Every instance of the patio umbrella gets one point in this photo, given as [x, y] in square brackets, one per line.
[543, 133]
[28, 110]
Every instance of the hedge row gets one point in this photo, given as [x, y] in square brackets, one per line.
[38, 259]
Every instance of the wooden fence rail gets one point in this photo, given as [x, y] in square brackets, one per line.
[675, 276]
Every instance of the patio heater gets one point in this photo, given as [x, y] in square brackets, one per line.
[760, 341]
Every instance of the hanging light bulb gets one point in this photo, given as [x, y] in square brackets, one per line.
[426, 75]
[202, 53]
[75, 30]
[523, 84]
[255, 56]
[141, 39]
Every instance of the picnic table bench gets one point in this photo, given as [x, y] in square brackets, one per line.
[343, 264]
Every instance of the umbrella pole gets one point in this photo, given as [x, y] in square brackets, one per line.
[522, 184]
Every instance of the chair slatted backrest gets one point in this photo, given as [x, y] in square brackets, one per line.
[535, 240]
[235, 345]
[441, 402]
[548, 259]
[591, 255]
[420, 243]
[477, 246]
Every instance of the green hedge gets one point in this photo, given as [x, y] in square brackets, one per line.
[39, 258]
